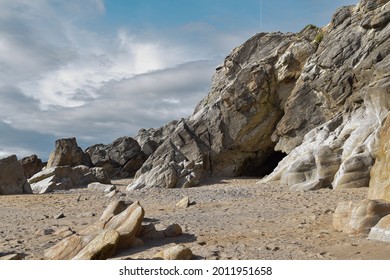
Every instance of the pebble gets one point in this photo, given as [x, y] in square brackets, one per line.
[59, 216]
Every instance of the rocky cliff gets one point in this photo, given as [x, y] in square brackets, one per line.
[320, 96]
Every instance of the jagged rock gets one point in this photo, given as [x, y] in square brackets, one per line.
[101, 247]
[381, 231]
[230, 132]
[332, 117]
[177, 252]
[12, 179]
[357, 218]
[380, 173]
[31, 165]
[121, 158]
[63, 178]
[67, 152]
[151, 139]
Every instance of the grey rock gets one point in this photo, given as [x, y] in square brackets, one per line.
[67, 152]
[31, 165]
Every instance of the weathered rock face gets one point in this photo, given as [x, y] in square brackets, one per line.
[67, 152]
[31, 165]
[380, 173]
[320, 96]
[122, 158]
[12, 179]
[150, 139]
[230, 130]
[332, 117]
[65, 178]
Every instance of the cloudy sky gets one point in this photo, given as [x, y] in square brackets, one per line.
[100, 69]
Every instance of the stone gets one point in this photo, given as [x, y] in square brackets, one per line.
[101, 187]
[184, 202]
[381, 231]
[122, 158]
[101, 175]
[12, 257]
[173, 230]
[112, 194]
[64, 232]
[12, 179]
[101, 247]
[357, 218]
[380, 172]
[67, 152]
[31, 165]
[114, 208]
[59, 216]
[177, 252]
[153, 234]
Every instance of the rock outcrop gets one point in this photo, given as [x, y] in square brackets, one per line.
[67, 152]
[380, 173]
[332, 117]
[320, 96]
[31, 165]
[122, 158]
[12, 179]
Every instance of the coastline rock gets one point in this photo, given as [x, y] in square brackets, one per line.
[31, 165]
[380, 173]
[357, 218]
[122, 158]
[12, 179]
[67, 152]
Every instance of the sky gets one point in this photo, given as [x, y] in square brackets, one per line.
[101, 69]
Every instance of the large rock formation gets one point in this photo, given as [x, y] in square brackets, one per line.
[320, 96]
[12, 179]
[122, 158]
[230, 131]
[333, 116]
[67, 152]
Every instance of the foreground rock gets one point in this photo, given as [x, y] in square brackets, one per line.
[357, 218]
[12, 179]
[67, 152]
[102, 240]
[177, 252]
[31, 165]
[319, 96]
[65, 178]
[380, 173]
[122, 158]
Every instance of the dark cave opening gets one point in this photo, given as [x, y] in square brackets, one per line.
[264, 167]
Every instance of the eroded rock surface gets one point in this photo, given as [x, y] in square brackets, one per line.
[67, 152]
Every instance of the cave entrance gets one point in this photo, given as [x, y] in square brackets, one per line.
[264, 167]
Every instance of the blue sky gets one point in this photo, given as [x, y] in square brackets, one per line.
[100, 69]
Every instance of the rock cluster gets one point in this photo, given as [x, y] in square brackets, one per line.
[119, 227]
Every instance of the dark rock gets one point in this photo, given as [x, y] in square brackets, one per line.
[12, 179]
[31, 165]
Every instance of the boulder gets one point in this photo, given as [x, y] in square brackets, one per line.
[173, 230]
[177, 252]
[63, 178]
[357, 218]
[31, 165]
[12, 179]
[67, 152]
[381, 231]
[101, 187]
[380, 173]
[122, 158]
